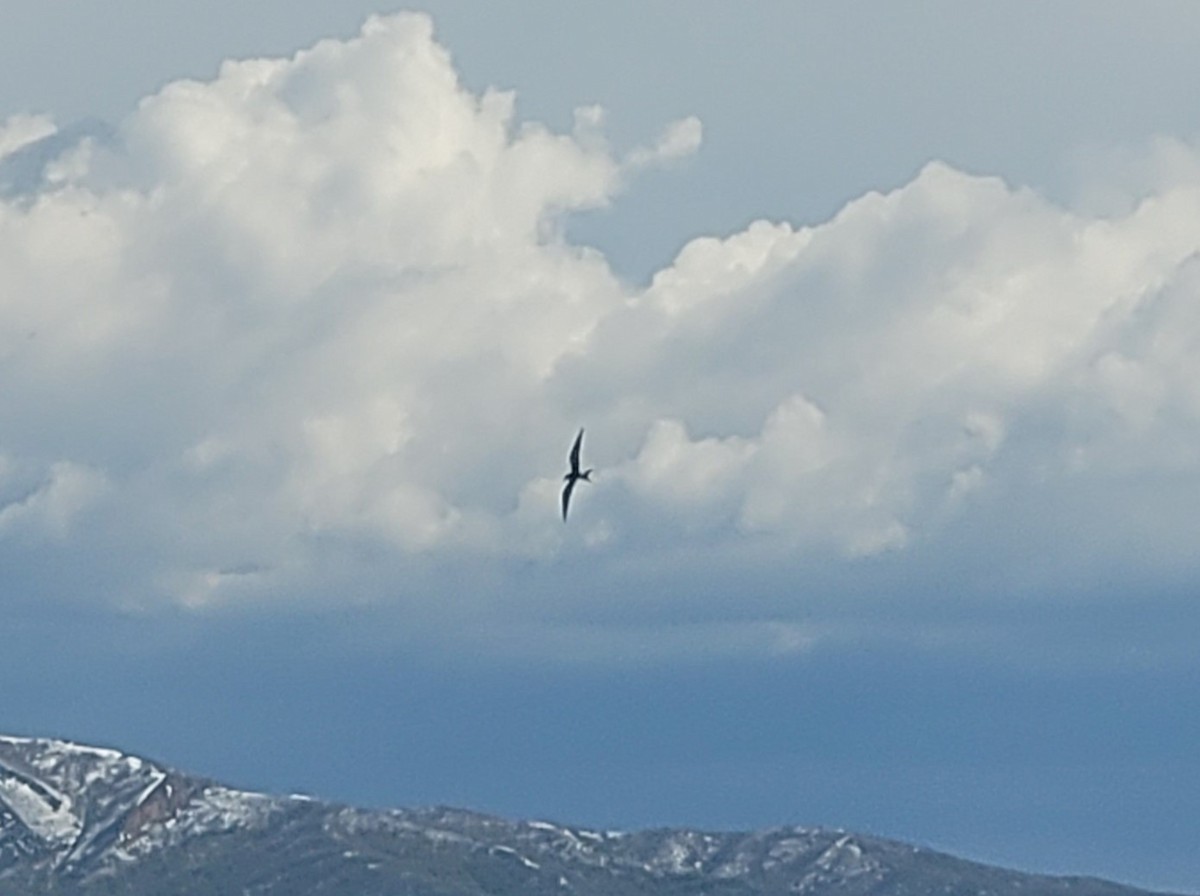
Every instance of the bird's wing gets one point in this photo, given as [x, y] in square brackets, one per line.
[566, 497]
[575, 452]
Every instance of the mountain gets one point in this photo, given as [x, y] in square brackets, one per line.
[86, 821]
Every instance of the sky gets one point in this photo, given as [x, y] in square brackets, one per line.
[882, 324]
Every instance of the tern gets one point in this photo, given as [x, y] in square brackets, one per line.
[574, 475]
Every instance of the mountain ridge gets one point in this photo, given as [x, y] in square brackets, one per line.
[78, 820]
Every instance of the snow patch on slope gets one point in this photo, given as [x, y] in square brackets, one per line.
[214, 810]
[45, 812]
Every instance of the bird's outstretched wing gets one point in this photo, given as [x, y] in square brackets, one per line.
[575, 453]
[566, 496]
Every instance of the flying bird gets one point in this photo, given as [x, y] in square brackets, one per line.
[574, 475]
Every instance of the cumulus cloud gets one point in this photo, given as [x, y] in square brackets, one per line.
[50, 506]
[679, 140]
[313, 328]
[21, 130]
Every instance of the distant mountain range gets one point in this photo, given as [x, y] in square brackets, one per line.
[85, 821]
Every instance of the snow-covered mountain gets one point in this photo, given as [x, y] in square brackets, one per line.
[78, 820]
[78, 811]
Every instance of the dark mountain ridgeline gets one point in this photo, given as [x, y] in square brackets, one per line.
[83, 821]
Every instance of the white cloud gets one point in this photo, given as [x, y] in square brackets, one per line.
[21, 130]
[679, 140]
[49, 507]
[321, 310]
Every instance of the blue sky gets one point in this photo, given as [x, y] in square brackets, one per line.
[883, 326]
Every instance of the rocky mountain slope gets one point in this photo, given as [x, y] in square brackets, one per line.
[78, 820]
